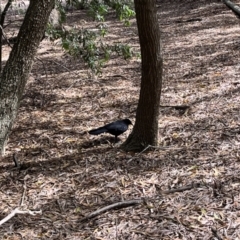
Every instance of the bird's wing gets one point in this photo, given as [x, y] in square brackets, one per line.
[118, 127]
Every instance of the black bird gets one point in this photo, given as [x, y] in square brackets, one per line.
[114, 128]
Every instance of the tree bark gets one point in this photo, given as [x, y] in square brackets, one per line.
[145, 130]
[19, 64]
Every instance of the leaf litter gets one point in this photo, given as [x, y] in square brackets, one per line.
[69, 174]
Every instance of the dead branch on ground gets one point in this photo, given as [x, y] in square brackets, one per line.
[128, 203]
[20, 211]
[234, 7]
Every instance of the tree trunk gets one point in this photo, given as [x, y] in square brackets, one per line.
[2, 19]
[145, 131]
[18, 66]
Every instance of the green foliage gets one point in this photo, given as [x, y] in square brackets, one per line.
[97, 10]
[78, 4]
[53, 33]
[124, 12]
[103, 29]
[123, 50]
[62, 12]
[89, 44]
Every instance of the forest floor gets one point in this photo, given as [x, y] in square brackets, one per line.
[68, 174]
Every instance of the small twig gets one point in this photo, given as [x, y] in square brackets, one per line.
[6, 25]
[23, 194]
[177, 107]
[69, 70]
[116, 229]
[155, 147]
[145, 149]
[190, 20]
[86, 167]
[15, 160]
[45, 69]
[118, 75]
[182, 189]
[18, 211]
[4, 36]
[149, 208]
[158, 147]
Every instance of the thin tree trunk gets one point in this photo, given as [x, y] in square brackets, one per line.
[233, 6]
[145, 131]
[2, 19]
[18, 66]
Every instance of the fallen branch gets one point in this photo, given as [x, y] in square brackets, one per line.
[235, 8]
[117, 205]
[182, 189]
[23, 194]
[18, 211]
[165, 148]
[177, 107]
[161, 148]
[133, 202]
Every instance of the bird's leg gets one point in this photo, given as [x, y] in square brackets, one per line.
[115, 139]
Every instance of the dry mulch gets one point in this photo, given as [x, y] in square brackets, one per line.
[68, 174]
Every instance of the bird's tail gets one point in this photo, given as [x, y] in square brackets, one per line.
[97, 131]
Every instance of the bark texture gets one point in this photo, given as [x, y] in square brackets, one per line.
[145, 131]
[18, 66]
